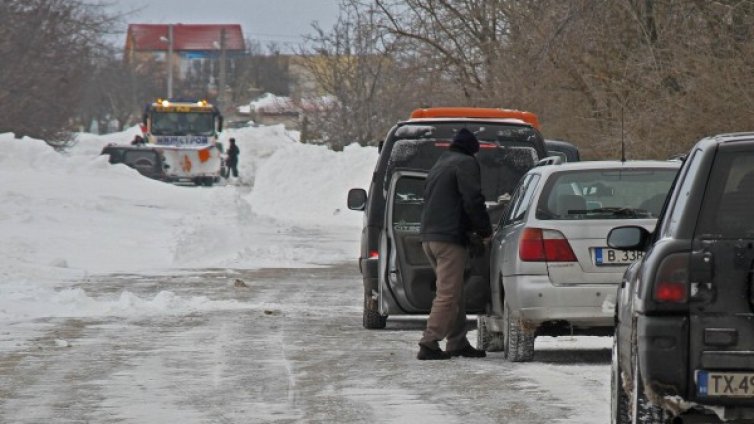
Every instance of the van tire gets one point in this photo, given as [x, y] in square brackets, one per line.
[372, 319]
[489, 341]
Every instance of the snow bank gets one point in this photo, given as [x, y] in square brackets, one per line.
[70, 214]
[307, 185]
[25, 303]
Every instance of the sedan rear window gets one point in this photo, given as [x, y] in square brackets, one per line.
[626, 193]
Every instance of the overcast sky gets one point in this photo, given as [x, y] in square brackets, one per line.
[280, 21]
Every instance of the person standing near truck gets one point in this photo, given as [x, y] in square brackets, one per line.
[232, 159]
[454, 209]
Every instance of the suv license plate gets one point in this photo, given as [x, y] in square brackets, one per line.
[735, 384]
[606, 256]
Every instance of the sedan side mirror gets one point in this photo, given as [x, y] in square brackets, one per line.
[628, 238]
[357, 199]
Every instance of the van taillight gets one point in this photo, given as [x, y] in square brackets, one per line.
[541, 245]
[373, 254]
[672, 279]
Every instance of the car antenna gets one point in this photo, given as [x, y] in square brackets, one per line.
[622, 137]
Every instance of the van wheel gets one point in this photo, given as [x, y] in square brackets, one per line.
[487, 340]
[642, 410]
[619, 403]
[372, 318]
[518, 341]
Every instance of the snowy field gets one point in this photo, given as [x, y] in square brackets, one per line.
[72, 224]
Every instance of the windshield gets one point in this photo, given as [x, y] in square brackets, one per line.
[183, 123]
[506, 152]
[605, 194]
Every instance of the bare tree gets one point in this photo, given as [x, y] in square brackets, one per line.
[375, 76]
[45, 51]
[466, 38]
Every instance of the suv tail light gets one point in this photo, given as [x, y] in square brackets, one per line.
[541, 245]
[672, 279]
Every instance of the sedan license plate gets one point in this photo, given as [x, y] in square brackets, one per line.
[606, 256]
[734, 384]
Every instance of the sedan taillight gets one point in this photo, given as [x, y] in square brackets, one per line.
[672, 279]
[542, 245]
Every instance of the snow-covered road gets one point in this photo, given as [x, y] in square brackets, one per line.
[289, 347]
[118, 303]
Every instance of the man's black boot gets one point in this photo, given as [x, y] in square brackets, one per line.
[431, 354]
[468, 352]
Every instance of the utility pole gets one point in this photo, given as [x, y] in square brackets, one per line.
[170, 61]
[221, 82]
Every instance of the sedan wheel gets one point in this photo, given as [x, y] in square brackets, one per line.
[518, 341]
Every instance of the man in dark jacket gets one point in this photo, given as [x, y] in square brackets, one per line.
[232, 159]
[453, 208]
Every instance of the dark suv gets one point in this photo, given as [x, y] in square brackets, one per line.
[398, 279]
[684, 342]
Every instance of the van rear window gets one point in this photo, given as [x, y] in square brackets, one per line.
[501, 165]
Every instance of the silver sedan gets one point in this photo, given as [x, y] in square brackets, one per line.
[551, 272]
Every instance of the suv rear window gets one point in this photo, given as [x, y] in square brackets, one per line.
[631, 193]
[726, 209]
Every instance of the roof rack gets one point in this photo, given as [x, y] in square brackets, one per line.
[476, 112]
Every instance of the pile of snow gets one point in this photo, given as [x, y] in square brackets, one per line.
[272, 104]
[65, 216]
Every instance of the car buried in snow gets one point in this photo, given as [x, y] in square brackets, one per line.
[149, 162]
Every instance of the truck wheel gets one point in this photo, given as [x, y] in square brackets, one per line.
[372, 318]
[487, 340]
[619, 403]
[518, 341]
[643, 411]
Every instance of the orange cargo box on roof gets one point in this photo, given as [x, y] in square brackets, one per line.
[476, 112]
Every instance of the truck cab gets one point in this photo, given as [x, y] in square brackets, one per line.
[186, 133]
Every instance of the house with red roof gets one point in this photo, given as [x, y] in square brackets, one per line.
[196, 48]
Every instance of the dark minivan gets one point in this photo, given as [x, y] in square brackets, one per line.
[397, 277]
[567, 152]
[684, 342]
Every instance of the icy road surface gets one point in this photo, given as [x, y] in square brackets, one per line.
[287, 348]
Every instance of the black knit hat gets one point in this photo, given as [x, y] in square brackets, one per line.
[466, 140]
